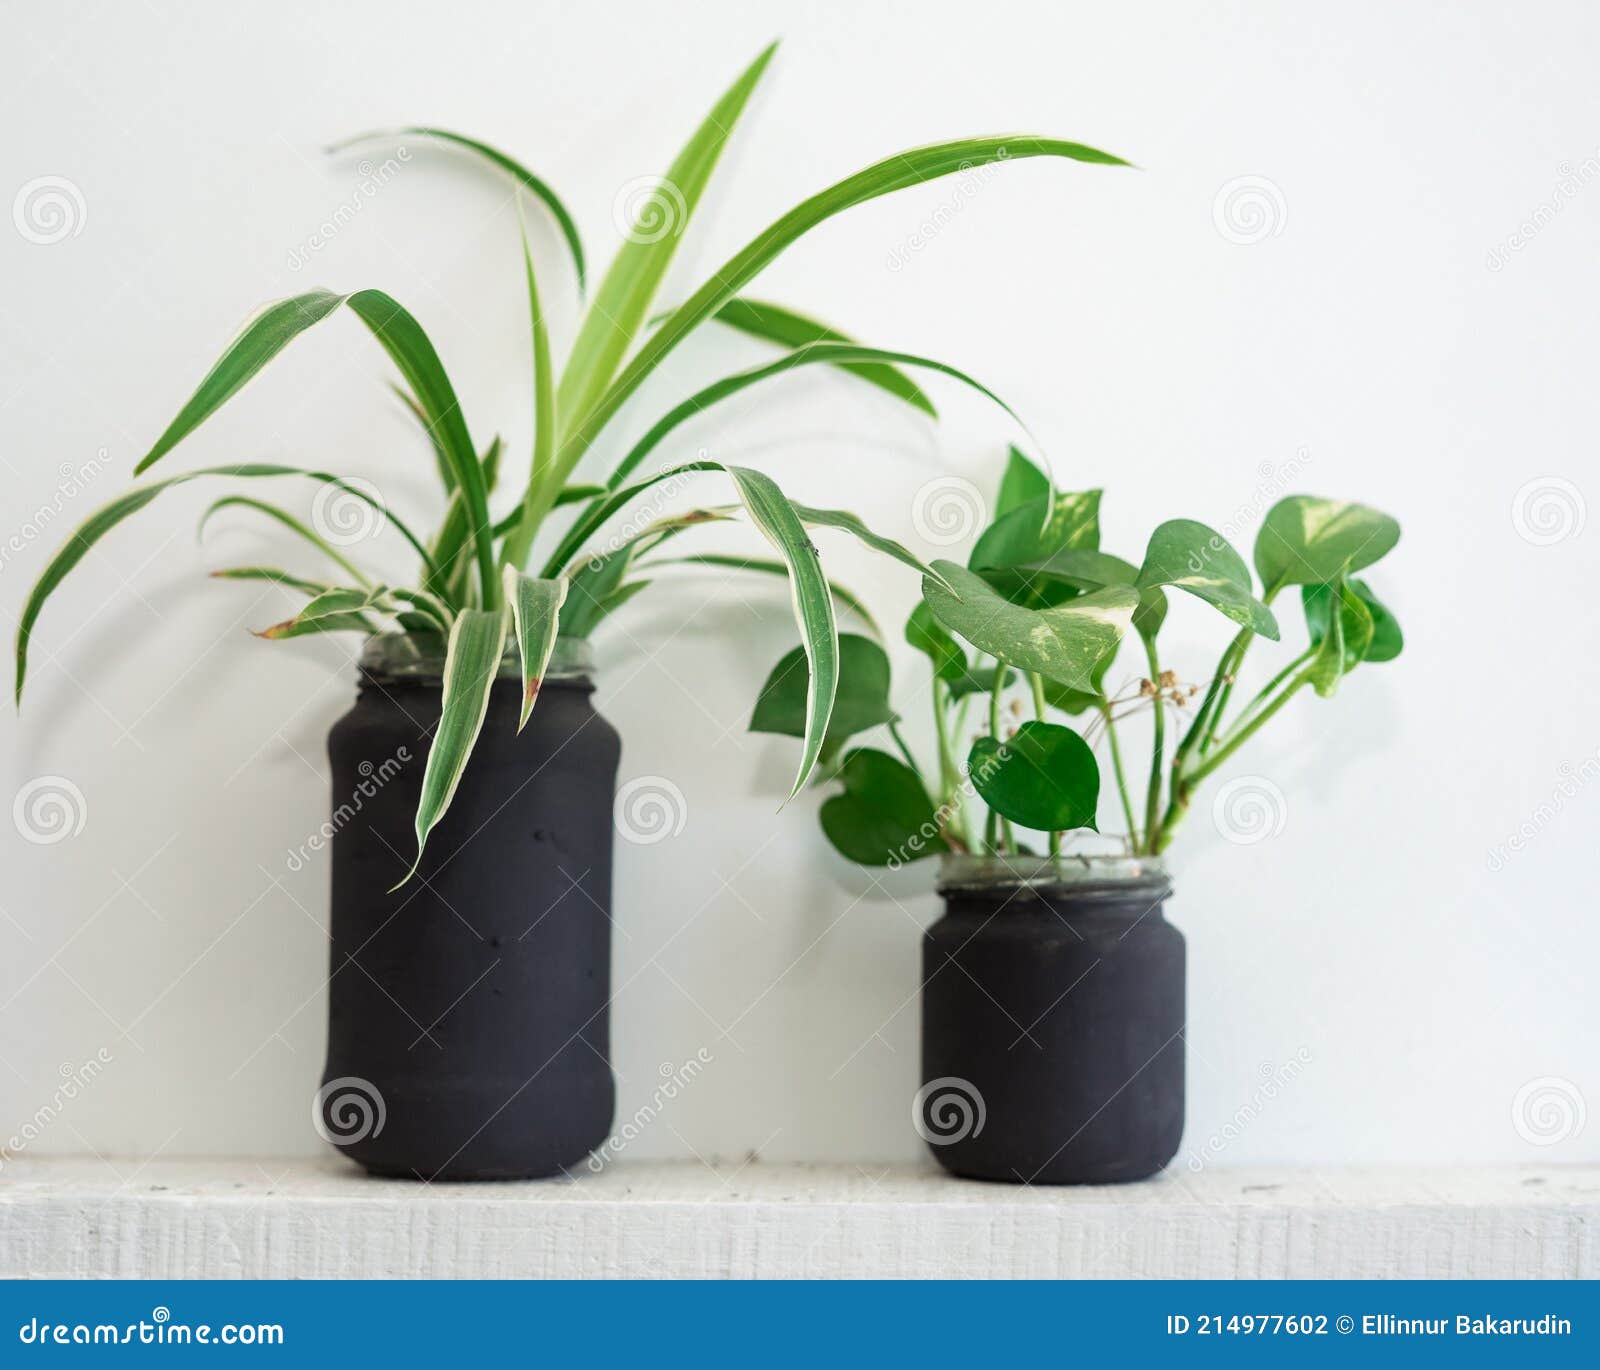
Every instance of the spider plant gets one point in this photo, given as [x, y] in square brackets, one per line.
[1047, 611]
[476, 584]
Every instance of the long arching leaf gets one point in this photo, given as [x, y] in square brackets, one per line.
[776, 324]
[832, 353]
[772, 513]
[261, 339]
[539, 497]
[289, 521]
[519, 173]
[623, 300]
[598, 512]
[274, 575]
[847, 522]
[108, 516]
[408, 346]
[904, 169]
[848, 598]
[471, 662]
[334, 610]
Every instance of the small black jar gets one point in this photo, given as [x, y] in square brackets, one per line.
[468, 1010]
[1052, 1021]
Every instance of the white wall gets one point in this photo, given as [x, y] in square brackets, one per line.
[1369, 330]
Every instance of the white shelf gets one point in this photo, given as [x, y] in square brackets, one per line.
[173, 1219]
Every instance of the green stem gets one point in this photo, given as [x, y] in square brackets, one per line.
[952, 797]
[905, 751]
[1248, 712]
[1240, 736]
[1214, 695]
[1122, 779]
[1039, 712]
[1227, 673]
[1152, 802]
[1184, 784]
[995, 823]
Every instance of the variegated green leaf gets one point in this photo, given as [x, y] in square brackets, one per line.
[772, 513]
[287, 520]
[104, 519]
[1063, 643]
[912, 167]
[408, 346]
[536, 612]
[774, 323]
[519, 173]
[622, 302]
[814, 354]
[539, 497]
[332, 610]
[472, 660]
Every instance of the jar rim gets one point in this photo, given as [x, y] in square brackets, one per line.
[420, 656]
[1000, 871]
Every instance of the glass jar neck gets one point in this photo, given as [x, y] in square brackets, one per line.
[419, 657]
[1059, 876]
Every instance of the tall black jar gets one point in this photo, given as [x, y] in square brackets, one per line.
[467, 1026]
[1052, 1021]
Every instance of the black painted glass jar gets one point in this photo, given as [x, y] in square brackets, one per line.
[468, 1010]
[1052, 1021]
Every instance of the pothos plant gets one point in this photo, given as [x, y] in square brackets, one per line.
[1048, 610]
[475, 585]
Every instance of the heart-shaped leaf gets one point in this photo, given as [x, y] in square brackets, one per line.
[1305, 540]
[1189, 556]
[927, 635]
[1346, 638]
[1030, 533]
[978, 682]
[862, 700]
[1387, 640]
[1086, 571]
[1045, 777]
[884, 817]
[1063, 643]
[1022, 483]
